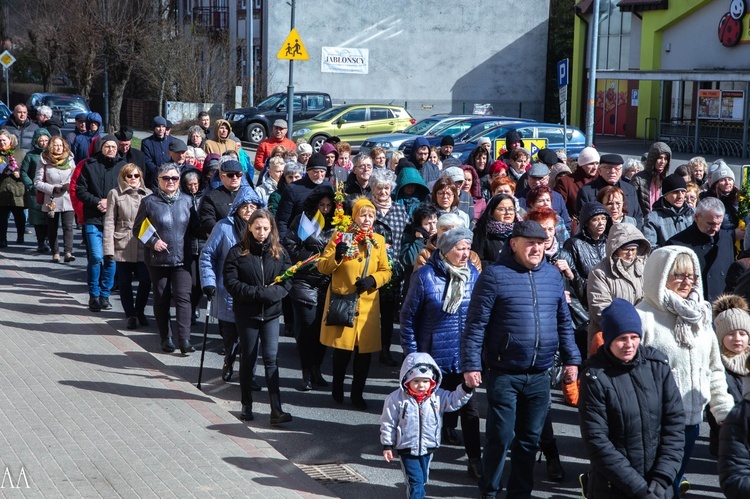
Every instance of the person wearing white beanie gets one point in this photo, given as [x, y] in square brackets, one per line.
[722, 186]
[568, 186]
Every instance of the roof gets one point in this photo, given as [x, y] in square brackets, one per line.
[639, 5]
[586, 6]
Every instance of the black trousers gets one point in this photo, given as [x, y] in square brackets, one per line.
[250, 330]
[361, 369]
[19, 217]
[469, 414]
[307, 322]
[180, 281]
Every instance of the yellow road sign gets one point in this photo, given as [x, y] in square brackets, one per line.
[7, 59]
[293, 48]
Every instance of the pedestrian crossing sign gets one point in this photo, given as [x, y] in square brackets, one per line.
[293, 48]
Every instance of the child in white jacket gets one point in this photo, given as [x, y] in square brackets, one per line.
[412, 418]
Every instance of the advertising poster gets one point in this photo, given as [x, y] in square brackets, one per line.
[709, 104]
[732, 104]
[345, 60]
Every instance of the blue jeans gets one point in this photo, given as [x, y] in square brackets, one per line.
[691, 435]
[517, 407]
[101, 276]
[416, 474]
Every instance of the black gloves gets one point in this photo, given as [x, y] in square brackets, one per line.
[341, 248]
[209, 291]
[657, 489]
[365, 284]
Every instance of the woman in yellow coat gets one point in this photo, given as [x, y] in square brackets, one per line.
[344, 258]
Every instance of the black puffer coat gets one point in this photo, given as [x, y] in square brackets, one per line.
[632, 423]
[176, 224]
[248, 279]
[734, 452]
[309, 286]
[588, 252]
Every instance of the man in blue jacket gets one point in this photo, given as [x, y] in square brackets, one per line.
[156, 149]
[517, 317]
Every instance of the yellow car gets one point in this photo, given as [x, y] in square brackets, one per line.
[353, 123]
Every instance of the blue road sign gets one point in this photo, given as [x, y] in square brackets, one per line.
[562, 72]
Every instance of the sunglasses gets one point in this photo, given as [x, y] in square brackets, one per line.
[170, 179]
[135, 175]
[232, 175]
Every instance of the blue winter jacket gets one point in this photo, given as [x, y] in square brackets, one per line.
[517, 318]
[156, 151]
[82, 143]
[211, 262]
[425, 327]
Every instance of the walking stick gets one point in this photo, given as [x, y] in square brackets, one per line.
[203, 350]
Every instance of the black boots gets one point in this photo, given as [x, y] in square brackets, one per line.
[306, 385]
[246, 414]
[278, 416]
[555, 471]
[316, 377]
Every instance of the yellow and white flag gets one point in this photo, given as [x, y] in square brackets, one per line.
[147, 230]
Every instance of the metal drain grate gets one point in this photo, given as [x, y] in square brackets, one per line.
[331, 473]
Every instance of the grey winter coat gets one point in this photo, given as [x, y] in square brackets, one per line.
[611, 279]
[47, 178]
[413, 428]
[176, 223]
[122, 206]
[665, 221]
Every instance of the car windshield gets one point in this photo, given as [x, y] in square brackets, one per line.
[70, 102]
[271, 100]
[329, 114]
[422, 126]
[4, 112]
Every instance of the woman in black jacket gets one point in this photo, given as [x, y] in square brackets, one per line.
[172, 223]
[630, 412]
[309, 286]
[494, 228]
[249, 272]
[588, 246]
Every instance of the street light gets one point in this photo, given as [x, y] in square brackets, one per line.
[593, 50]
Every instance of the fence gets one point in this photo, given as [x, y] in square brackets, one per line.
[718, 139]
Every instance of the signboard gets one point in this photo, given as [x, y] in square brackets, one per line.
[7, 59]
[293, 49]
[345, 60]
[634, 97]
[709, 104]
[721, 104]
[532, 145]
[732, 104]
[562, 73]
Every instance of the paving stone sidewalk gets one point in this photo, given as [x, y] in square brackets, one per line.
[86, 412]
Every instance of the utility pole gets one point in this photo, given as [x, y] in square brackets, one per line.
[105, 125]
[250, 55]
[593, 52]
[290, 90]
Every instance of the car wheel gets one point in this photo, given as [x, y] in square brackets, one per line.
[255, 133]
[317, 141]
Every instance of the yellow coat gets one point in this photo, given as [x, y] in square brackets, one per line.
[366, 331]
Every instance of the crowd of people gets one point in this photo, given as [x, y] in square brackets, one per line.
[515, 273]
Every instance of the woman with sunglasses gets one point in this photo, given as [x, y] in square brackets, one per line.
[122, 246]
[172, 223]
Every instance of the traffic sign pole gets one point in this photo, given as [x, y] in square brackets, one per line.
[563, 72]
[7, 86]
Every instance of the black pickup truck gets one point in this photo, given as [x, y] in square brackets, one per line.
[254, 123]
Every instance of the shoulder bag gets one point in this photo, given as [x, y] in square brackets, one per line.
[40, 194]
[342, 307]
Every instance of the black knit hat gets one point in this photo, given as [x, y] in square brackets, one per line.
[317, 160]
[673, 183]
[447, 141]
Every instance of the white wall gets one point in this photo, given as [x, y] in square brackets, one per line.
[431, 53]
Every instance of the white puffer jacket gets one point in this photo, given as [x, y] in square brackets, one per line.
[698, 371]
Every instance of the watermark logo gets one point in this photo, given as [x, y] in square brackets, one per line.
[21, 482]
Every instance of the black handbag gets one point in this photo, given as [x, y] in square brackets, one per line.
[341, 309]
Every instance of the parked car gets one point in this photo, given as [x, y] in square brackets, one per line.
[552, 132]
[352, 123]
[463, 129]
[5, 113]
[253, 124]
[392, 141]
[64, 106]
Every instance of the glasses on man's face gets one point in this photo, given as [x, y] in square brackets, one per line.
[612, 168]
[682, 276]
[232, 174]
[365, 168]
[170, 179]
[133, 175]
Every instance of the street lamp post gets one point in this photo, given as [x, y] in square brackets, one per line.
[593, 50]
